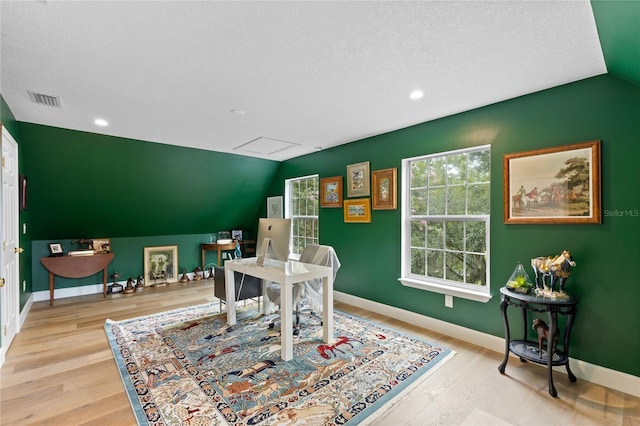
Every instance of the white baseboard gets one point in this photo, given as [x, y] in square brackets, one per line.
[602, 376]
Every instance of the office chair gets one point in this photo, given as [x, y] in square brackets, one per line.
[311, 290]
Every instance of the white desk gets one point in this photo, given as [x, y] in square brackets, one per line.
[286, 274]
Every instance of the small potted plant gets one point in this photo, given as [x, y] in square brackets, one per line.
[520, 281]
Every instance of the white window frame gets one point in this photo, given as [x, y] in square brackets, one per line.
[462, 290]
[288, 210]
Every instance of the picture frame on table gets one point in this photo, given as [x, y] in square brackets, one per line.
[55, 249]
[159, 260]
[357, 210]
[557, 185]
[358, 182]
[274, 207]
[384, 189]
[331, 192]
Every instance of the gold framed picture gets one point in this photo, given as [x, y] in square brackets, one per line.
[553, 185]
[358, 184]
[357, 210]
[384, 189]
[331, 191]
[160, 265]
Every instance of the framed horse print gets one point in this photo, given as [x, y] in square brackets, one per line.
[553, 185]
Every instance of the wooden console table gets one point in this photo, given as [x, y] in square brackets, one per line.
[246, 245]
[76, 267]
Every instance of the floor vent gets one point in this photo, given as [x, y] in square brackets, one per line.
[42, 99]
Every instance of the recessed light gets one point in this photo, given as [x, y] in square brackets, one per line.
[238, 112]
[416, 94]
[100, 122]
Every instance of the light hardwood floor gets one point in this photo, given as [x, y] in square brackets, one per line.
[60, 371]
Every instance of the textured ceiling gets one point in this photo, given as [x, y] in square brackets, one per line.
[237, 76]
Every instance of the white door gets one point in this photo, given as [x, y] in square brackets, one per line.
[9, 262]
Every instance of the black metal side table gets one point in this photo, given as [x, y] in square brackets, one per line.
[527, 349]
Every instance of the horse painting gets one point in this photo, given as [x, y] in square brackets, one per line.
[557, 268]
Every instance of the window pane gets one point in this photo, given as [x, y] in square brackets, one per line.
[436, 203]
[417, 262]
[418, 231]
[476, 237]
[302, 199]
[476, 269]
[418, 174]
[479, 166]
[419, 201]
[434, 264]
[455, 235]
[454, 266]
[435, 234]
[478, 201]
[437, 171]
[457, 200]
[456, 169]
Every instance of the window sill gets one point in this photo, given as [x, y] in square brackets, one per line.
[478, 296]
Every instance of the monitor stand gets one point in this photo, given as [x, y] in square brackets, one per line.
[263, 251]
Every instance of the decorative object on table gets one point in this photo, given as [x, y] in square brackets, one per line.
[331, 192]
[358, 183]
[129, 288]
[236, 234]
[357, 210]
[234, 375]
[274, 207]
[553, 185]
[140, 283]
[209, 269]
[551, 271]
[223, 236]
[519, 280]
[101, 245]
[161, 264]
[184, 278]
[197, 273]
[55, 249]
[542, 329]
[384, 189]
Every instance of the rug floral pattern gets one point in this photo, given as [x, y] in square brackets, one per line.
[188, 367]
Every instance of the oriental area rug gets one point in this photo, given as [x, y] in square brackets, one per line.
[187, 366]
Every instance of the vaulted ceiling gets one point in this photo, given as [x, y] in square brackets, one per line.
[277, 80]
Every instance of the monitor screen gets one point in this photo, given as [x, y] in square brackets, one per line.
[279, 231]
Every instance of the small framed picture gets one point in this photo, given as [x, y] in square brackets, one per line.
[357, 210]
[274, 207]
[358, 184]
[384, 189]
[55, 249]
[160, 264]
[236, 234]
[331, 191]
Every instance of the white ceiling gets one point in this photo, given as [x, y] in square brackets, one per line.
[307, 75]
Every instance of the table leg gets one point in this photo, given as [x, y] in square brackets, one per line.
[286, 321]
[567, 333]
[327, 310]
[553, 326]
[230, 288]
[202, 255]
[104, 282]
[507, 335]
[51, 287]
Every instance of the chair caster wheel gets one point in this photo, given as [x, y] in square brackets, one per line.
[296, 332]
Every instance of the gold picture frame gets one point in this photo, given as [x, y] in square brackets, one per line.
[384, 189]
[357, 210]
[553, 185]
[358, 183]
[331, 191]
[159, 260]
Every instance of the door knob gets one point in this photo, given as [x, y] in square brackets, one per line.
[1, 282]
[18, 250]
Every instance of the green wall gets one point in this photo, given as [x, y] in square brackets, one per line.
[604, 280]
[138, 194]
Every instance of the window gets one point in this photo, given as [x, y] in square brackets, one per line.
[301, 205]
[445, 227]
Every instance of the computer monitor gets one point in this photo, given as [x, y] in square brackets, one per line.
[277, 233]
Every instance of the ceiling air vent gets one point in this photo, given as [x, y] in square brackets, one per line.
[42, 99]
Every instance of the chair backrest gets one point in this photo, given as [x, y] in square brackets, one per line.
[321, 255]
